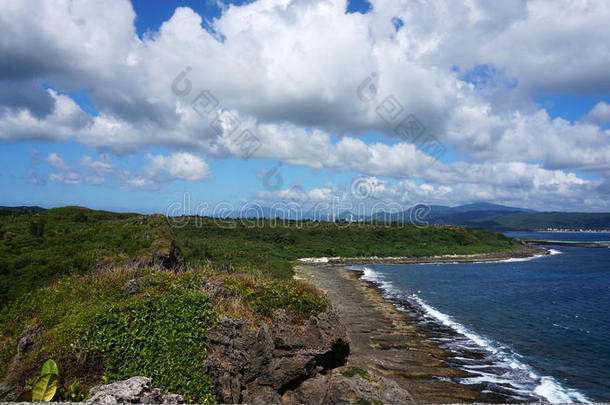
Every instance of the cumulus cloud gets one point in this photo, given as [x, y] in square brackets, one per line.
[303, 80]
[161, 169]
[182, 166]
[56, 162]
[599, 115]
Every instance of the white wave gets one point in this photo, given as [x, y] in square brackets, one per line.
[378, 278]
[518, 259]
[555, 393]
[547, 388]
[511, 260]
[456, 326]
[522, 379]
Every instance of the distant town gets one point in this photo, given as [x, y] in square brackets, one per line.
[576, 230]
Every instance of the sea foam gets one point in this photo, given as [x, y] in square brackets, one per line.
[504, 368]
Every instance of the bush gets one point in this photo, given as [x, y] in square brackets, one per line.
[99, 333]
[80, 217]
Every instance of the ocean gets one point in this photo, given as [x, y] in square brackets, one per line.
[525, 329]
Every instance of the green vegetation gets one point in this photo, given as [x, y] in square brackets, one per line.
[162, 338]
[352, 371]
[560, 220]
[65, 271]
[99, 332]
[532, 221]
[37, 248]
[269, 249]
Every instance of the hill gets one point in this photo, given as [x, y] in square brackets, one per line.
[500, 218]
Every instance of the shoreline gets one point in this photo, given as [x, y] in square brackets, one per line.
[386, 335]
[526, 252]
[384, 340]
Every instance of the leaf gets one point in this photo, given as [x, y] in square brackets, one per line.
[45, 388]
[49, 367]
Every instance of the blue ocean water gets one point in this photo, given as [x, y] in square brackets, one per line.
[525, 329]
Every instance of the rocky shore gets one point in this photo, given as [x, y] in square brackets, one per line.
[291, 361]
[385, 342]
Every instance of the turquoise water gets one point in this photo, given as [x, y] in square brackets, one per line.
[536, 329]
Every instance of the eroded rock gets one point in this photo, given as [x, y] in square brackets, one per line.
[28, 342]
[259, 365]
[135, 390]
[336, 388]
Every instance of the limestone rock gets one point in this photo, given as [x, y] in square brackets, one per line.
[135, 390]
[259, 365]
[335, 388]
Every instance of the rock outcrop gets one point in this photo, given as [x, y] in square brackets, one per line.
[259, 365]
[136, 390]
[169, 258]
[338, 388]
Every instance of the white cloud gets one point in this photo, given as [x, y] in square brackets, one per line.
[181, 165]
[289, 72]
[56, 162]
[599, 115]
[161, 169]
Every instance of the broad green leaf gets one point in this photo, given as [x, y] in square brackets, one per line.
[49, 367]
[44, 389]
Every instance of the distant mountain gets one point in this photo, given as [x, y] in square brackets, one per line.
[500, 218]
[483, 206]
[477, 215]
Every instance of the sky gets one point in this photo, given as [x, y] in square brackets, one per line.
[201, 106]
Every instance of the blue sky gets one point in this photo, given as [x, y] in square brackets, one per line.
[88, 115]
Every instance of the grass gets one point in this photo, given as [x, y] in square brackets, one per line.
[297, 297]
[269, 249]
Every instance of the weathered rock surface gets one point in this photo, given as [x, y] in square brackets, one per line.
[335, 388]
[169, 258]
[258, 365]
[135, 390]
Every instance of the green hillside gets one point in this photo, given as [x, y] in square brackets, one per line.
[267, 247]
